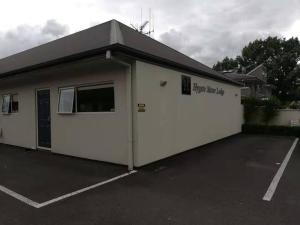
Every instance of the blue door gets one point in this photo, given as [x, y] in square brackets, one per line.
[44, 119]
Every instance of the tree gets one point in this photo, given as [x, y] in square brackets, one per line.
[281, 60]
[226, 64]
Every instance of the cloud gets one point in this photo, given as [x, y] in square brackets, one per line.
[55, 29]
[213, 34]
[25, 36]
[207, 30]
[175, 39]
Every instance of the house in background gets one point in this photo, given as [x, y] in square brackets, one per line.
[112, 94]
[254, 83]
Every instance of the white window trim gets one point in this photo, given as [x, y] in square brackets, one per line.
[90, 86]
[74, 100]
[9, 106]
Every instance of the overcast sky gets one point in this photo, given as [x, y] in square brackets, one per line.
[206, 30]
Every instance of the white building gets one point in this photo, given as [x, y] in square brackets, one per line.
[109, 93]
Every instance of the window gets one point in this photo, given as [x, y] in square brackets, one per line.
[66, 100]
[14, 103]
[10, 104]
[98, 98]
[6, 104]
[186, 85]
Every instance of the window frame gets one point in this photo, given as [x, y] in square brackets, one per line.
[11, 101]
[10, 110]
[9, 104]
[74, 100]
[183, 77]
[76, 87]
[89, 87]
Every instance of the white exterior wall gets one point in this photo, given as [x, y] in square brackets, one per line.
[172, 122]
[19, 128]
[99, 136]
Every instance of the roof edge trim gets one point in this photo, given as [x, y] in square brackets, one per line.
[116, 36]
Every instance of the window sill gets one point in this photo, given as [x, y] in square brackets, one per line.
[12, 113]
[85, 113]
[65, 113]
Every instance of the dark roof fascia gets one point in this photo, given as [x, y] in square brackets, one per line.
[121, 48]
[159, 60]
[71, 58]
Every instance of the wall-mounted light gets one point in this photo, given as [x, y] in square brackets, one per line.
[163, 83]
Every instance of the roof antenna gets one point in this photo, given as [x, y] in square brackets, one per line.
[143, 25]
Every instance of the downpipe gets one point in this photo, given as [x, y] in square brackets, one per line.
[130, 105]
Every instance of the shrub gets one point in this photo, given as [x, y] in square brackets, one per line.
[294, 105]
[270, 110]
[272, 130]
[250, 108]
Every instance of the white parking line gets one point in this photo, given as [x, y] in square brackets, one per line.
[40, 205]
[19, 197]
[85, 189]
[272, 188]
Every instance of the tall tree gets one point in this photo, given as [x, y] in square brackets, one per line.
[281, 59]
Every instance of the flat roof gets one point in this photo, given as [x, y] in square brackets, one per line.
[111, 35]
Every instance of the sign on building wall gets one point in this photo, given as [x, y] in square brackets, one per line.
[141, 107]
[198, 89]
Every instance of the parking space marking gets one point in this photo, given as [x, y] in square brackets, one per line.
[19, 197]
[272, 188]
[84, 189]
[40, 205]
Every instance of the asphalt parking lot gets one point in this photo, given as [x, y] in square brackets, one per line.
[220, 183]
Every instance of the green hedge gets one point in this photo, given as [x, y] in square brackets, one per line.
[273, 130]
[268, 109]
